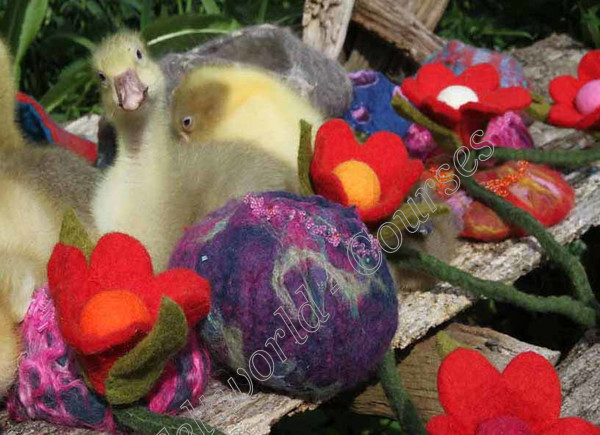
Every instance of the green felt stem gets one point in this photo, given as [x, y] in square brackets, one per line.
[305, 154]
[558, 253]
[142, 421]
[72, 233]
[499, 291]
[443, 136]
[554, 157]
[398, 398]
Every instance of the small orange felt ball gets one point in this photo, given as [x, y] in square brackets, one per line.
[112, 311]
[360, 183]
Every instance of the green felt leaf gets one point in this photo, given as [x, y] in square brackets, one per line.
[539, 108]
[444, 344]
[73, 233]
[305, 154]
[444, 137]
[133, 375]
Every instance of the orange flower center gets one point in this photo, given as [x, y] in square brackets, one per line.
[457, 95]
[360, 183]
[112, 311]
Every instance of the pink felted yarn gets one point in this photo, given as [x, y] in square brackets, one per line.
[49, 387]
[508, 131]
[419, 142]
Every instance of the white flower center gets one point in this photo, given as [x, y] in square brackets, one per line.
[457, 95]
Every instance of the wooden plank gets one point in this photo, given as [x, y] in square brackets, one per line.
[580, 379]
[419, 368]
[394, 23]
[325, 24]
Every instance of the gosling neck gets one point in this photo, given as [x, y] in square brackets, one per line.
[146, 132]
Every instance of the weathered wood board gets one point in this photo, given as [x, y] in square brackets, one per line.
[419, 312]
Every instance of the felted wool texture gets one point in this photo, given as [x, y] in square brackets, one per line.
[256, 252]
[49, 386]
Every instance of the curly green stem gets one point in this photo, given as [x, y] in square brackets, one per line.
[522, 219]
[495, 290]
[554, 157]
[398, 398]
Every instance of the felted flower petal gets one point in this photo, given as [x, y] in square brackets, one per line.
[470, 389]
[121, 262]
[189, 290]
[68, 285]
[334, 143]
[412, 91]
[563, 89]
[481, 78]
[444, 425]
[564, 115]
[534, 389]
[502, 100]
[571, 426]
[589, 66]
[441, 112]
[434, 77]
[590, 122]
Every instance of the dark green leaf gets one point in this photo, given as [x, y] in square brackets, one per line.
[305, 154]
[134, 374]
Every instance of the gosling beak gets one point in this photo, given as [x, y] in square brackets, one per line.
[184, 137]
[131, 92]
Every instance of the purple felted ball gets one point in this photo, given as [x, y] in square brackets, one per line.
[289, 308]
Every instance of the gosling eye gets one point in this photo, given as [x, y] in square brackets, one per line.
[102, 77]
[187, 123]
[139, 54]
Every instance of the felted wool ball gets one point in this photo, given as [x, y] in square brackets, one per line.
[289, 307]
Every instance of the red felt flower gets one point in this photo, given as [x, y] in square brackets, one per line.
[463, 102]
[524, 399]
[374, 176]
[106, 307]
[578, 99]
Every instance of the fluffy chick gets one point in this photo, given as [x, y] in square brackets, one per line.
[241, 103]
[36, 186]
[156, 187]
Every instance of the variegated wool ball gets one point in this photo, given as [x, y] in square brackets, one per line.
[289, 306]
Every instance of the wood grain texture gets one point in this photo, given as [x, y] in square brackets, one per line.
[419, 368]
[396, 24]
[325, 24]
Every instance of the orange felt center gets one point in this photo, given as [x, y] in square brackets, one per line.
[112, 311]
[360, 182]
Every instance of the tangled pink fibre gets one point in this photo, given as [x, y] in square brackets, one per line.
[49, 387]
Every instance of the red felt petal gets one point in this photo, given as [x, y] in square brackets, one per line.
[434, 77]
[120, 262]
[470, 389]
[590, 122]
[334, 143]
[330, 186]
[503, 99]
[412, 91]
[564, 115]
[441, 112]
[534, 388]
[68, 284]
[386, 154]
[444, 425]
[481, 78]
[589, 66]
[563, 89]
[571, 426]
[189, 290]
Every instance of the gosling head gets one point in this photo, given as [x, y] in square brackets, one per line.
[197, 105]
[130, 81]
